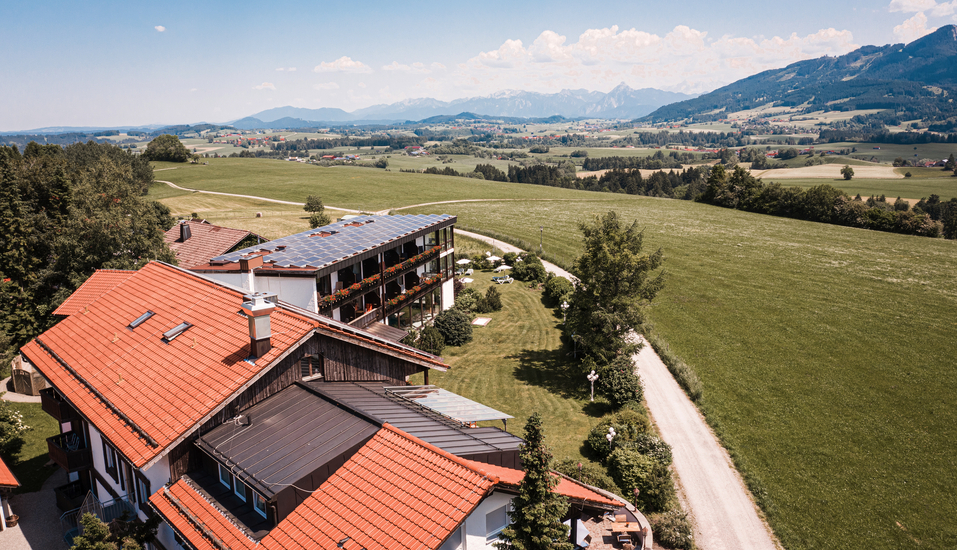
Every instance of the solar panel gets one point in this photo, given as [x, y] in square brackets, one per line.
[305, 249]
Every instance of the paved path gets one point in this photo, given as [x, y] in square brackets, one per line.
[39, 525]
[16, 397]
[505, 247]
[724, 515]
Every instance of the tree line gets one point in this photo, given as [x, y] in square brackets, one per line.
[826, 204]
[67, 212]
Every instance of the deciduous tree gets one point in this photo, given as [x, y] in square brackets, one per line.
[616, 280]
[167, 147]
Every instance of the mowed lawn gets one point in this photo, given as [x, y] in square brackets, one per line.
[342, 186]
[516, 365]
[827, 354]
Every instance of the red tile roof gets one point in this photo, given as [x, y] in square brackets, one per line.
[164, 389]
[395, 492]
[101, 282]
[7, 479]
[567, 487]
[207, 241]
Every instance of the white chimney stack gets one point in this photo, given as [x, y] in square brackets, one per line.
[257, 307]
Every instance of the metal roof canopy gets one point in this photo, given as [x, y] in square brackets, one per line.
[448, 404]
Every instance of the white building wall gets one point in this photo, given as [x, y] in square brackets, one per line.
[448, 294]
[299, 291]
[475, 532]
[238, 280]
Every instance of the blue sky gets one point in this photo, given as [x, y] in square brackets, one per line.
[126, 63]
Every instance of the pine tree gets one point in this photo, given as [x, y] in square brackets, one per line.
[537, 512]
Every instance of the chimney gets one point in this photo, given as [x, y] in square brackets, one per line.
[257, 308]
[184, 231]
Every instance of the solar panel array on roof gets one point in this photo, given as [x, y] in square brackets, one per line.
[331, 243]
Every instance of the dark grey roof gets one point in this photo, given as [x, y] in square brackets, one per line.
[291, 434]
[307, 249]
[445, 434]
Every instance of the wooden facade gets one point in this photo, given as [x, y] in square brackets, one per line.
[345, 362]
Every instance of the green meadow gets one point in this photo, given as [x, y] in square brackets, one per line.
[827, 353]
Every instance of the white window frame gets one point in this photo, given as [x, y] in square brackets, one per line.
[109, 457]
[229, 476]
[244, 496]
[257, 498]
[141, 492]
[492, 536]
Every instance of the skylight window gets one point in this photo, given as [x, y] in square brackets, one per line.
[172, 333]
[141, 319]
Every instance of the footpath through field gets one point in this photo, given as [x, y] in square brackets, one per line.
[724, 515]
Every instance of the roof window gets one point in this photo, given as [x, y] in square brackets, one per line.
[140, 320]
[172, 333]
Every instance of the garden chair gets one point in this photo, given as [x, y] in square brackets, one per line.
[72, 442]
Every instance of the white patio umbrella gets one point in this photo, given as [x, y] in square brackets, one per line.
[464, 261]
[502, 268]
[493, 259]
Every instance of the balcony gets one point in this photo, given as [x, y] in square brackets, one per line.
[118, 508]
[71, 495]
[427, 284]
[56, 406]
[70, 452]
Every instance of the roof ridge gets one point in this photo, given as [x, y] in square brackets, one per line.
[229, 288]
[465, 463]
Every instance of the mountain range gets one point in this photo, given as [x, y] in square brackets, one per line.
[919, 78]
[621, 102]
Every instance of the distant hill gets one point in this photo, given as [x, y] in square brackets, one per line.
[621, 102]
[919, 78]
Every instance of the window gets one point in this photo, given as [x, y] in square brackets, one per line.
[454, 542]
[224, 476]
[259, 503]
[109, 460]
[142, 491]
[140, 320]
[495, 521]
[241, 490]
[172, 333]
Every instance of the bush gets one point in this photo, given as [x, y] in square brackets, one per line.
[12, 431]
[467, 300]
[580, 153]
[529, 269]
[410, 338]
[493, 300]
[632, 470]
[558, 290]
[628, 425]
[589, 473]
[619, 383]
[319, 219]
[455, 326]
[672, 529]
[381, 163]
[907, 174]
[651, 446]
[431, 341]
[509, 258]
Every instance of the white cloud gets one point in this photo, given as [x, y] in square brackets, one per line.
[160, 28]
[944, 9]
[684, 59]
[913, 28]
[911, 6]
[281, 69]
[192, 89]
[343, 64]
[417, 67]
[326, 86]
[265, 86]
[291, 69]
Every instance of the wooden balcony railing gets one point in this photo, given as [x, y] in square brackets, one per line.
[56, 406]
[71, 495]
[70, 452]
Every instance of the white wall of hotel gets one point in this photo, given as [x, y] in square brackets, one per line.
[301, 291]
[157, 474]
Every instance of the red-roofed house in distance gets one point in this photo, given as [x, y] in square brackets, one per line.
[165, 355]
[195, 242]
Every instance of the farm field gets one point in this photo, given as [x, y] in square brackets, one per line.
[890, 151]
[342, 186]
[826, 355]
[830, 171]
